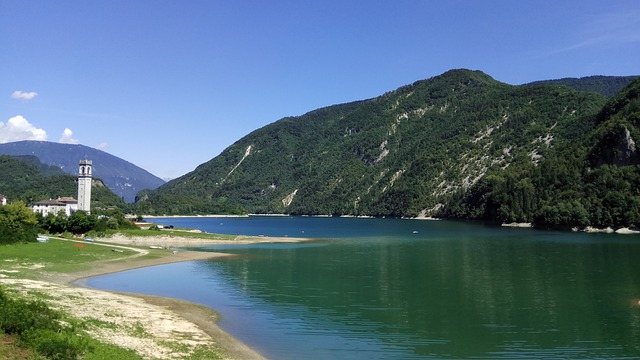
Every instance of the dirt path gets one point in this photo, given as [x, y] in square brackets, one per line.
[155, 327]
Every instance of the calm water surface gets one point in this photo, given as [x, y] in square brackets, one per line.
[385, 288]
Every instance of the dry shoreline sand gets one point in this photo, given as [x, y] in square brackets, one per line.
[186, 323]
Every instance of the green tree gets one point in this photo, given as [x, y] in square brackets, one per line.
[80, 222]
[18, 223]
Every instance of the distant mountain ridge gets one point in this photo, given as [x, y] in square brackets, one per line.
[605, 85]
[25, 178]
[122, 177]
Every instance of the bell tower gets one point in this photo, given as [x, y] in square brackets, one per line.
[84, 186]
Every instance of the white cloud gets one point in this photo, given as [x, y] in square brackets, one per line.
[67, 137]
[22, 95]
[18, 128]
[102, 146]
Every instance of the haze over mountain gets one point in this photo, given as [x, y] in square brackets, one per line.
[122, 177]
[415, 151]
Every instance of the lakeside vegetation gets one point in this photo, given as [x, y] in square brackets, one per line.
[31, 329]
[47, 333]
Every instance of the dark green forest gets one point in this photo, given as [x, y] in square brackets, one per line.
[605, 85]
[592, 180]
[26, 179]
[459, 145]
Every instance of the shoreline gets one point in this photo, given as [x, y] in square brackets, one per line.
[202, 316]
[195, 320]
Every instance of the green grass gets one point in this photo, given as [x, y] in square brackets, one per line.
[31, 259]
[10, 349]
[102, 351]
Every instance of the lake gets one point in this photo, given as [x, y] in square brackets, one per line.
[410, 289]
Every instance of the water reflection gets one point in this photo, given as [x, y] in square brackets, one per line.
[400, 289]
[464, 297]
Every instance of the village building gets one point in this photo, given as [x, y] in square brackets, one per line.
[67, 205]
[84, 185]
[3, 200]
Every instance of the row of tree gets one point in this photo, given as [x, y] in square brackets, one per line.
[19, 224]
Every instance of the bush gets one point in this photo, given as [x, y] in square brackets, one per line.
[18, 224]
[56, 345]
[40, 328]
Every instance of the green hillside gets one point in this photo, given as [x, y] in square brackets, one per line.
[122, 177]
[591, 179]
[26, 178]
[414, 151]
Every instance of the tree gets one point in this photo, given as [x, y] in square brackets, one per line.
[18, 223]
[80, 222]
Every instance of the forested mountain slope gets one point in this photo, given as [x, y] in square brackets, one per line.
[122, 177]
[25, 178]
[605, 85]
[592, 178]
[409, 152]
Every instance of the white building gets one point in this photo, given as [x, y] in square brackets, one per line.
[3, 200]
[84, 186]
[67, 205]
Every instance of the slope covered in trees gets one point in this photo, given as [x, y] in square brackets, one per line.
[26, 179]
[592, 179]
[436, 147]
[122, 177]
[605, 85]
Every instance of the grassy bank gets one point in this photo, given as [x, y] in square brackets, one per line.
[100, 321]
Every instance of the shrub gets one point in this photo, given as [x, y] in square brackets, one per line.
[40, 328]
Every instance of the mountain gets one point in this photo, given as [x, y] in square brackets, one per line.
[605, 85]
[26, 178]
[591, 178]
[122, 177]
[405, 153]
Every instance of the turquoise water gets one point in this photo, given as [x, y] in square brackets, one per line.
[387, 288]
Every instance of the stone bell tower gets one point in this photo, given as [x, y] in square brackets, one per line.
[84, 186]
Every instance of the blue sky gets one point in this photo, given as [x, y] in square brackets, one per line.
[168, 85]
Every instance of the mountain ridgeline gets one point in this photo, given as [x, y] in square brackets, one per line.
[25, 178]
[123, 178]
[459, 145]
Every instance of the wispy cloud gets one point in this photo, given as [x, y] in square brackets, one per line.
[18, 128]
[617, 27]
[23, 95]
[102, 146]
[67, 137]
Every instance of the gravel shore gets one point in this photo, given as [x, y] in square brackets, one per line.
[171, 327]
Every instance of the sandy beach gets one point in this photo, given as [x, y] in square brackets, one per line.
[164, 321]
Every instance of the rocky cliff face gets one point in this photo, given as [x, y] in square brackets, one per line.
[625, 153]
